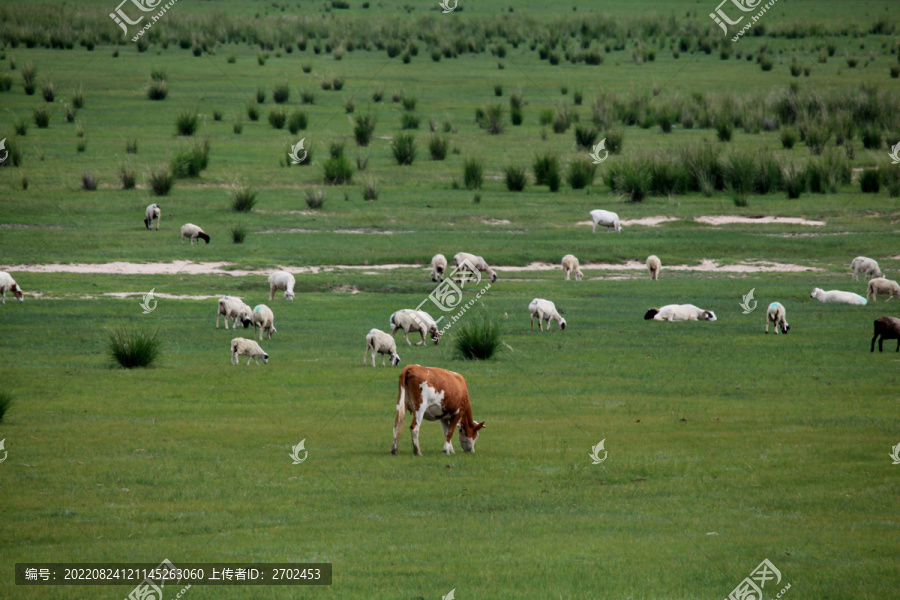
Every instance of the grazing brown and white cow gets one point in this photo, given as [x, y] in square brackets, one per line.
[436, 395]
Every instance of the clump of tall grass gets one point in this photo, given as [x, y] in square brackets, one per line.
[158, 74]
[41, 117]
[478, 339]
[788, 137]
[253, 111]
[562, 120]
[614, 139]
[81, 145]
[871, 137]
[133, 348]
[260, 96]
[793, 180]
[315, 199]
[437, 146]
[29, 76]
[630, 177]
[5, 403]
[581, 173]
[126, 176]
[869, 181]
[297, 121]
[516, 104]
[237, 127]
[190, 162]
[404, 148]
[5, 82]
[349, 106]
[817, 135]
[546, 170]
[705, 171]
[491, 118]
[473, 174]
[370, 189]
[337, 83]
[891, 177]
[724, 129]
[545, 116]
[516, 178]
[281, 93]
[157, 89]
[307, 97]
[161, 180]
[48, 92]
[88, 182]
[585, 136]
[277, 118]
[826, 172]
[186, 122]
[409, 120]
[243, 197]
[337, 170]
[363, 129]
[238, 233]
[336, 148]
[21, 126]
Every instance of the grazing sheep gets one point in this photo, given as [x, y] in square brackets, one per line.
[192, 231]
[152, 212]
[438, 266]
[680, 312]
[281, 280]
[607, 219]
[889, 329]
[571, 265]
[245, 347]
[880, 285]
[867, 266]
[545, 310]
[263, 321]
[653, 265]
[409, 319]
[8, 284]
[838, 296]
[475, 261]
[380, 342]
[234, 309]
[777, 316]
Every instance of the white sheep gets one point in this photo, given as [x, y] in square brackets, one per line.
[545, 310]
[471, 260]
[680, 312]
[263, 321]
[245, 347]
[282, 280]
[379, 342]
[838, 296]
[151, 213]
[193, 232]
[607, 219]
[409, 319]
[880, 285]
[867, 266]
[654, 265]
[570, 265]
[8, 284]
[438, 266]
[234, 308]
[777, 316]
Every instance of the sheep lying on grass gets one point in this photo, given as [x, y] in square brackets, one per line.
[570, 265]
[409, 319]
[234, 309]
[653, 265]
[438, 266]
[865, 265]
[263, 321]
[838, 296]
[245, 347]
[777, 316]
[545, 310]
[607, 219]
[152, 212]
[282, 280]
[889, 329]
[880, 285]
[8, 284]
[680, 312]
[475, 261]
[379, 342]
[193, 232]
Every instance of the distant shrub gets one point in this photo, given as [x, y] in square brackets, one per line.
[133, 348]
[378, 95]
[157, 90]
[186, 122]
[81, 145]
[363, 129]
[47, 91]
[349, 106]
[337, 171]
[793, 180]
[88, 182]
[297, 121]
[315, 199]
[404, 148]
[740, 173]
[277, 118]
[409, 120]
[724, 129]
[307, 97]
[238, 233]
[869, 181]
[337, 83]
[473, 174]
[161, 181]
[891, 178]
[5, 82]
[491, 118]
[243, 197]
[546, 170]
[817, 135]
[515, 178]
[126, 176]
[633, 179]
[585, 136]
[190, 162]
[21, 127]
[253, 112]
[158, 74]
[498, 90]
[545, 117]
[614, 140]
[437, 146]
[408, 102]
[217, 115]
[788, 137]
[281, 93]
[336, 149]
[581, 173]
[29, 76]
[41, 117]
[765, 63]
[370, 189]
[237, 127]
[14, 158]
[260, 96]
[871, 137]
[362, 162]
[478, 339]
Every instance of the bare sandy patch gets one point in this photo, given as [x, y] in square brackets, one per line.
[803, 235]
[24, 226]
[346, 231]
[645, 221]
[492, 221]
[761, 220]
[126, 295]
[706, 266]
[306, 213]
[347, 288]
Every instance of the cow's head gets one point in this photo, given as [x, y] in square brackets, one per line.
[467, 439]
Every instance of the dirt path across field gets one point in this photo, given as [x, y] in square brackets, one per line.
[717, 220]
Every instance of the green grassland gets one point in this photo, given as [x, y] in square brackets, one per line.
[725, 446]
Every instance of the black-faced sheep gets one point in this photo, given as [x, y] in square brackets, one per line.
[571, 265]
[193, 232]
[680, 312]
[8, 284]
[777, 315]
[245, 347]
[234, 309]
[152, 212]
[379, 342]
[545, 310]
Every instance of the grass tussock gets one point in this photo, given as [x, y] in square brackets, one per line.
[315, 199]
[478, 339]
[473, 174]
[404, 148]
[243, 197]
[133, 348]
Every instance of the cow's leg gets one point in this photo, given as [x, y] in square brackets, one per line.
[448, 433]
[418, 416]
[398, 419]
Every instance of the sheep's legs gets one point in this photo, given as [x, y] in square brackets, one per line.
[532, 322]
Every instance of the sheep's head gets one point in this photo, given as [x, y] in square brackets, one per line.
[578, 275]
[246, 320]
[708, 315]
[785, 328]
[395, 359]
[289, 295]
[435, 334]
[652, 312]
[493, 277]
[17, 292]
[562, 323]
[815, 292]
[265, 358]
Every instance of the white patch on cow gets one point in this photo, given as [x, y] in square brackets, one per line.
[432, 407]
